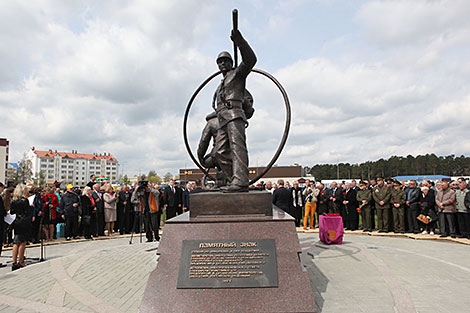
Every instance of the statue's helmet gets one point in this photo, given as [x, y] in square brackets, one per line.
[224, 54]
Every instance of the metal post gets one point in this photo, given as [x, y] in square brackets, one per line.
[235, 28]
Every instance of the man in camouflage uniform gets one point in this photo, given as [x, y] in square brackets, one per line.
[381, 195]
[364, 197]
[397, 200]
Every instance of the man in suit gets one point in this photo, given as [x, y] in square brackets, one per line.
[413, 196]
[322, 199]
[282, 197]
[173, 200]
[186, 193]
[336, 198]
[179, 196]
[350, 206]
[97, 222]
[354, 185]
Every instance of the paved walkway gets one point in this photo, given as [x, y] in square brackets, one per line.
[89, 276]
[383, 274]
[365, 274]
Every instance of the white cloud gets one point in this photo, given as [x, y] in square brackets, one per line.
[116, 76]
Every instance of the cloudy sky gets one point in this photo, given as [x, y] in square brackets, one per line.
[366, 79]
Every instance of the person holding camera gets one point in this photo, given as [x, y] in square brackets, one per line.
[22, 225]
[146, 197]
[69, 210]
[310, 193]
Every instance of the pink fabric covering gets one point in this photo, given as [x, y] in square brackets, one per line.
[331, 229]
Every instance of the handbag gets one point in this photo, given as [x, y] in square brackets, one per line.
[423, 218]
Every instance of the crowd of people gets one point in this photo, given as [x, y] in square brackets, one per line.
[32, 214]
[98, 209]
[399, 207]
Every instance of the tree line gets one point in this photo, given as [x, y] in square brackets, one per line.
[429, 164]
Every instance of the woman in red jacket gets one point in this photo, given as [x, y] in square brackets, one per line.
[51, 202]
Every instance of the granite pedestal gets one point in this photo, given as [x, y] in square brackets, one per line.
[293, 292]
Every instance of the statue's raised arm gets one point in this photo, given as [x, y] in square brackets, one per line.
[248, 55]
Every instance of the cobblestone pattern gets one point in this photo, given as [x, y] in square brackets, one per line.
[99, 276]
[365, 274]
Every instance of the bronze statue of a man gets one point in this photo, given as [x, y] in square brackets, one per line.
[232, 110]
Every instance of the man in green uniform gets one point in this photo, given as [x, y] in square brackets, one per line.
[364, 197]
[397, 201]
[381, 195]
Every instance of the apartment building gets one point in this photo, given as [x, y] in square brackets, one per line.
[73, 167]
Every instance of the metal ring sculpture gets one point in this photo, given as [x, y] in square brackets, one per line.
[284, 136]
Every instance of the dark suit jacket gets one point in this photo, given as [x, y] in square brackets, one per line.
[186, 198]
[415, 196]
[172, 199]
[282, 198]
[99, 203]
[338, 195]
[350, 196]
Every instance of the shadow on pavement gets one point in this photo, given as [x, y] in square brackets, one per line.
[313, 248]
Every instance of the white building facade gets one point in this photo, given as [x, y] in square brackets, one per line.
[4, 152]
[73, 168]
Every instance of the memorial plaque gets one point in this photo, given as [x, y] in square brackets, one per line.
[247, 263]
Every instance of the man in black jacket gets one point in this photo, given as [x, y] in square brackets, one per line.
[92, 181]
[97, 221]
[122, 207]
[336, 198]
[69, 205]
[282, 197]
[413, 195]
[186, 193]
[173, 200]
[351, 218]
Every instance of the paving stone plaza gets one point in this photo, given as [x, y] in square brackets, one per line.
[365, 274]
